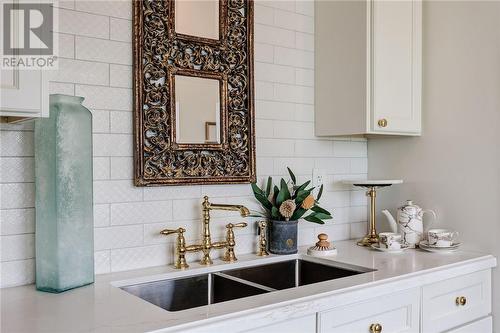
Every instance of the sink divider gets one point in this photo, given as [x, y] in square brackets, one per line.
[248, 283]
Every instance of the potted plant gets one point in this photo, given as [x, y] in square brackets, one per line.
[284, 206]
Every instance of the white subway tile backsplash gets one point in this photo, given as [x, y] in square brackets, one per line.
[112, 145]
[296, 94]
[17, 221]
[17, 247]
[17, 273]
[263, 52]
[293, 57]
[141, 212]
[17, 195]
[120, 29]
[62, 88]
[83, 24]
[263, 14]
[95, 51]
[103, 50]
[305, 7]
[122, 168]
[102, 262]
[274, 73]
[304, 77]
[275, 36]
[66, 45]
[17, 170]
[85, 72]
[105, 97]
[101, 215]
[113, 8]
[121, 122]
[117, 237]
[100, 121]
[111, 191]
[16, 143]
[120, 76]
[101, 168]
[140, 257]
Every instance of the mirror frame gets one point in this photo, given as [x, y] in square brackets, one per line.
[159, 54]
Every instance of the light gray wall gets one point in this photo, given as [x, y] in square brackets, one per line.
[454, 167]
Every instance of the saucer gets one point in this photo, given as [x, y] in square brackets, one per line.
[433, 248]
[377, 247]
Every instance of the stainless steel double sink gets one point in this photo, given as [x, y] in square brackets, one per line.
[193, 291]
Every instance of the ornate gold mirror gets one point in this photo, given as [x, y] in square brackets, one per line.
[194, 117]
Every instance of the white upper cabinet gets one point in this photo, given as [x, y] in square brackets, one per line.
[24, 93]
[368, 67]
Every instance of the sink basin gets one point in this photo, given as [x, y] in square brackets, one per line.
[194, 291]
[291, 273]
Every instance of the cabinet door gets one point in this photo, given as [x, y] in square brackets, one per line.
[441, 308]
[396, 50]
[481, 326]
[305, 324]
[398, 312]
[23, 93]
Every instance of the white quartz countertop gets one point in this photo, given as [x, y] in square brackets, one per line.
[103, 307]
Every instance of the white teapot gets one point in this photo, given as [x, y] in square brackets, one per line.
[410, 222]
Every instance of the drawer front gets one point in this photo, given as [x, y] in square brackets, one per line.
[484, 325]
[398, 312]
[298, 325]
[454, 302]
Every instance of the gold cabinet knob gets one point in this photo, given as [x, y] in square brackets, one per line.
[460, 301]
[382, 122]
[375, 328]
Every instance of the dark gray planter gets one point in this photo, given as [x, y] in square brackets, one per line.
[282, 237]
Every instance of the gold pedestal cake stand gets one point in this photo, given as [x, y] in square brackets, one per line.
[371, 186]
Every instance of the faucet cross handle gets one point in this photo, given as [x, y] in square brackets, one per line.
[229, 254]
[180, 247]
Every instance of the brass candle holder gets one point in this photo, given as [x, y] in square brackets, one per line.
[371, 186]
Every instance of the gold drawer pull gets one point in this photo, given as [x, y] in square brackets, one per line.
[382, 122]
[375, 328]
[460, 301]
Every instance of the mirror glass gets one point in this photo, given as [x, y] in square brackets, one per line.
[197, 109]
[197, 18]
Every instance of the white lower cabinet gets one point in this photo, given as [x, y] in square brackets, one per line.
[398, 312]
[484, 325]
[460, 304]
[456, 301]
[305, 324]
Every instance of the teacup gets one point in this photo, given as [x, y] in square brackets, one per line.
[390, 240]
[441, 237]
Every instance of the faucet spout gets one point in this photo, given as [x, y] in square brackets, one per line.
[244, 212]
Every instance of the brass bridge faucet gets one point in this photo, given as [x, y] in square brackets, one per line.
[207, 245]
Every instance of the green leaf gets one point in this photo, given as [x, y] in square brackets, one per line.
[318, 209]
[322, 216]
[284, 193]
[320, 192]
[276, 191]
[301, 188]
[269, 185]
[263, 200]
[292, 176]
[256, 189]
[298, 214]
[275, 213]
[302, 195]
[312, 218]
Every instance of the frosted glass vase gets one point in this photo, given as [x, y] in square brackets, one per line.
[64, 208]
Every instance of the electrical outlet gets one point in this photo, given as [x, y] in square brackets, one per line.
[318, 179]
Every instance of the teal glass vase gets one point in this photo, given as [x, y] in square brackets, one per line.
[64, 202]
